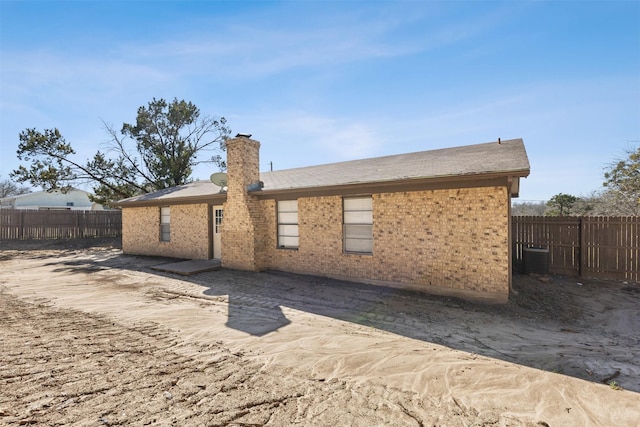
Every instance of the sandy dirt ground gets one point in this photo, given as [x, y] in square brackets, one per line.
[89, 336]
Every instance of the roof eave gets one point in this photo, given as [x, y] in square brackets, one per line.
[211, 199]
[410, 184]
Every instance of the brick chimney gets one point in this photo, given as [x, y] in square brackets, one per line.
[244, 224]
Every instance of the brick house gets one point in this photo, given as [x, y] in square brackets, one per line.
[436, 221]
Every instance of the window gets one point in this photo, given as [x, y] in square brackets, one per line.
[165, 224]
[69, 203]
[219, 214]
[288, 224]
[358, 224]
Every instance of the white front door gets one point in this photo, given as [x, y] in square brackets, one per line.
[218, 214]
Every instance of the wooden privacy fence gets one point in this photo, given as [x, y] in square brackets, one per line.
[17, 224]
[601, 247]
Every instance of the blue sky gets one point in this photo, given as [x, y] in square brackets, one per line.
[325, 81]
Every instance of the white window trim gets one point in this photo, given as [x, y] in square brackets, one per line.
[287, 208]
[217, 219]
[165, 227]
[346, 224]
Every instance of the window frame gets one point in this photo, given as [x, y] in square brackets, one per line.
[217, 219]
[282, 223]
[347, 234]
[165, 227]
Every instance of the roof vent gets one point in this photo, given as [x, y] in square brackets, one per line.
[256, 186]
[243, 135]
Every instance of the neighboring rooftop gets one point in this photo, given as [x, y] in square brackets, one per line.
[74, 199]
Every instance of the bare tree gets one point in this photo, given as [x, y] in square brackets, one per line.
[622, 179]
[10, 188]
[528, 208]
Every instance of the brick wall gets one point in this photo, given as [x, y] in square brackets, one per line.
[456, 238]
[452, 241]
[243, 228]
[189, 232]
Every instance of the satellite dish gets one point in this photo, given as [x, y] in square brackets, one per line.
[219, 179]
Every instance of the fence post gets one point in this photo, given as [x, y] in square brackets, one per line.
[80, 224]
[583, 255]
[21, 225]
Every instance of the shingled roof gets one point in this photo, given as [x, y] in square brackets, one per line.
[506, 158]
[196, 191]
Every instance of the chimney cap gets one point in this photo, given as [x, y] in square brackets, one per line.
[243, 135]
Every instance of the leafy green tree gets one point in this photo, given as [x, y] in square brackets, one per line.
[622, 179]
[159, 151]
[561, 204]
[10, 188]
